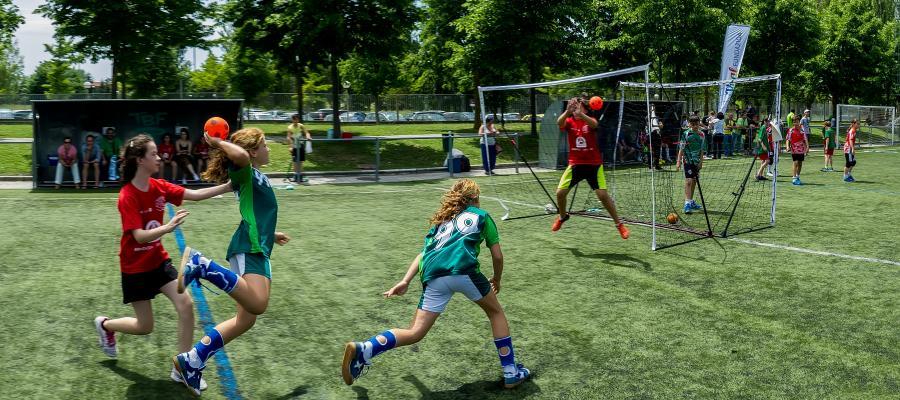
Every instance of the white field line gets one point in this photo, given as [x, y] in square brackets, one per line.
[816, 252]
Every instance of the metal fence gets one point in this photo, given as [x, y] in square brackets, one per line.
[393, 107]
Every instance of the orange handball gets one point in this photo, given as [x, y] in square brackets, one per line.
[672, 218]
[216, 127]
[596, 103]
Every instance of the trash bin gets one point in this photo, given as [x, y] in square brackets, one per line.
[330, 134]
[346, 135]
[455, 165]
[445, 141]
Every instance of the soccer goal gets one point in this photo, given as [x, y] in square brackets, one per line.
[876, 123]
[639, 132]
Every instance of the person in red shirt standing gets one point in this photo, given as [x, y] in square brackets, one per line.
[167, 153]
[145, 265]
[850, 151]
[585, 163]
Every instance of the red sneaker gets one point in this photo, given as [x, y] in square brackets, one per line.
[623, 231]
[558, 223]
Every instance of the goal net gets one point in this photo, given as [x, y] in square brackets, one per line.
[639, 129]
[876, 123]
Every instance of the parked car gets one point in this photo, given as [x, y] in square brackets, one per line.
[527, 117]
[348, 116]
[261, 115]
[510, 117]
[319, 115]
[382, 116]
[422, 116]
[6, 113]
[460, 116]
[22, 114]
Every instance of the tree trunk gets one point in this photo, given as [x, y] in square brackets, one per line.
[300, 94]
[335, 97]
[377, 109]
[115, 81]
[124, 82]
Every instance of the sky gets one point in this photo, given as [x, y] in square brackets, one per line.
[37, 31]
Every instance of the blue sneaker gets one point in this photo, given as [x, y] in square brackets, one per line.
[797, 182]
[688, 209]
[354, 363]
[695, 206]
[190, 370]
[512, 380]
[851, 178]
[190, 269]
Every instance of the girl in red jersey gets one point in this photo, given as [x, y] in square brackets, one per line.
[145, 265]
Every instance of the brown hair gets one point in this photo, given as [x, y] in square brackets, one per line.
[247, 138]
[464, 193]
[135, 149]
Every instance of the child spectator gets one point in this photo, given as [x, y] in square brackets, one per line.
[90, 156]
[183, 156]
[111, 146]
[166, 152]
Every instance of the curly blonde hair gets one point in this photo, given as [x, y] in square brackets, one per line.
[464, 193]
[248, 138]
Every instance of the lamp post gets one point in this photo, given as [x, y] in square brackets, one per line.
[346, 85]
[88, 86]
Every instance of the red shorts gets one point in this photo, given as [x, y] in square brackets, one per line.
[829, 152]
[763, 156]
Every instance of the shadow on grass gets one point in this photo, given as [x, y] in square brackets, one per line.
[147, 388]
[297, 392]
[618, 260]
[476, 390]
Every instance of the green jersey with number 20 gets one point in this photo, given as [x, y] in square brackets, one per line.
[452, 248]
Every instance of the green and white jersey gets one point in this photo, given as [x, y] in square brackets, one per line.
[692, 144]
[452, 247]
[762, 141]
[259, 212]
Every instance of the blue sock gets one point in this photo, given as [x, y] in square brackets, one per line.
[219, 276]
[373, 347]
[507, 356]
[204, 351]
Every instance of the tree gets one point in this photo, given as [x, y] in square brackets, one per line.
[425, 69]
[11, 69]
[11, 76]
[128, 31]
[9, 21]
[211, 77]
[308, 33]
[857, 55]
[250, 72]
[784, 39]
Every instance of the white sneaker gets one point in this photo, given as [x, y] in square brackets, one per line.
[177, 378]
[107, 338]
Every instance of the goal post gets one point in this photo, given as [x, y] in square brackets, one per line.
[877, 124]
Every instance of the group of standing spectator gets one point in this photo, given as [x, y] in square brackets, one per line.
[100, 156]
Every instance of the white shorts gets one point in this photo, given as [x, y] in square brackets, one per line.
[438, 291]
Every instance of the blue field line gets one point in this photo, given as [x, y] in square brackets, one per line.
[223, 365]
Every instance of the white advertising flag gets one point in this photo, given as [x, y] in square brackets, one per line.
[732, 54]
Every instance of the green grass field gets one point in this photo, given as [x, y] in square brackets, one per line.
[592, 315]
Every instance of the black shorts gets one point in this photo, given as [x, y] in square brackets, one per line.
[146, 285]
[798, 157]
[691, 171]
[302, 156]
[851, 159]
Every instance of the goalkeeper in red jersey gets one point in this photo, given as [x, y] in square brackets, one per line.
[585, 163]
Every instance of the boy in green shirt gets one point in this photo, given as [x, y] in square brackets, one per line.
[830, 145]
[690, 154]
[448, 264]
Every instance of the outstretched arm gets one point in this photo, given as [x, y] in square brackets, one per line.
[400, 288]
[148, 235]
[205, 193]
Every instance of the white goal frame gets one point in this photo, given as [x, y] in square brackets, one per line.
[840, 131]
